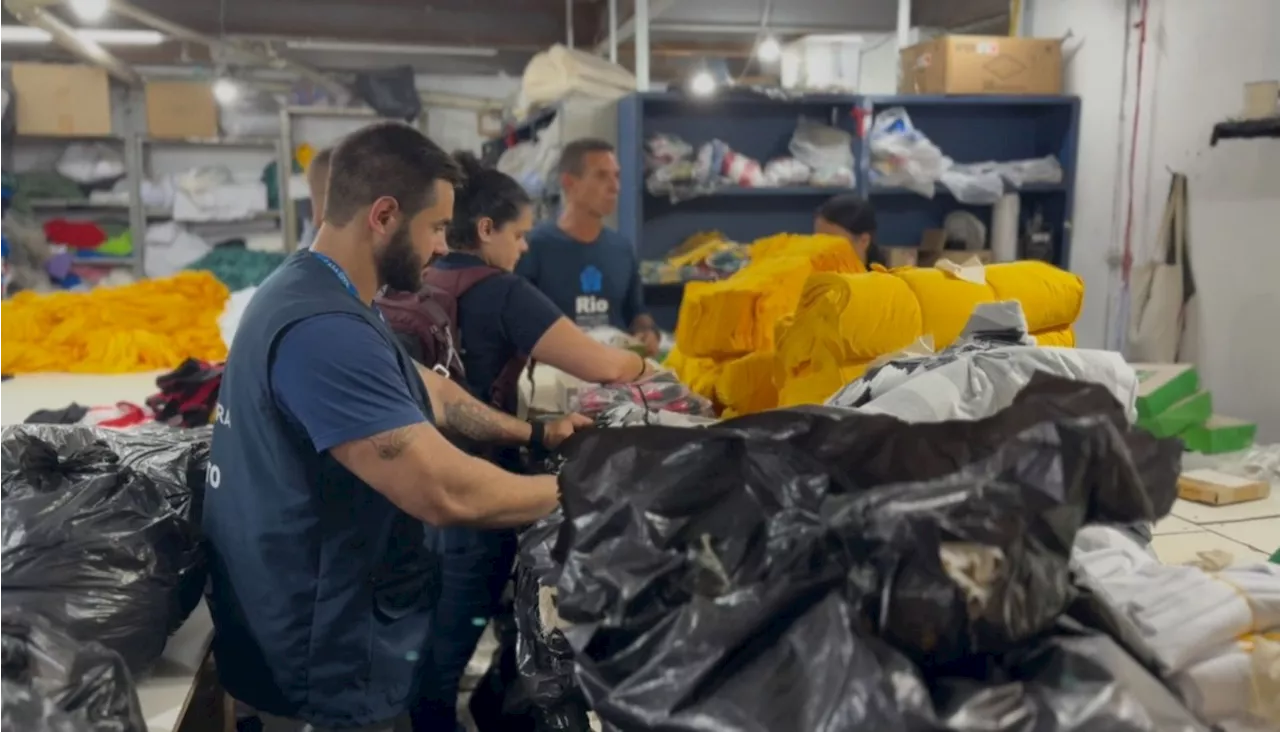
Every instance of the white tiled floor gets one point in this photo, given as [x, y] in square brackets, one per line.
[1247, 530]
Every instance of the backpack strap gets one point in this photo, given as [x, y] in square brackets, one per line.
[457, 281]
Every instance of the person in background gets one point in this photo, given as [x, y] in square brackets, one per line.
[329, 455]
[318, 183]
[590, 272]
[854, 218]
[502, 319]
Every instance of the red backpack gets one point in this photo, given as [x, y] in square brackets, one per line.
[426, 322]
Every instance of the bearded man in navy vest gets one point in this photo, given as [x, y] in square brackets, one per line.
[328, 458]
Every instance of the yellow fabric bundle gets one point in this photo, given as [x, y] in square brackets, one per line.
[151, 324]
[737, 316]
[699, 374]
[746, 384]
[1050, 297]
[817, 386]
[946, 302]
[827, 253]
[848, 319]
[1057, 338]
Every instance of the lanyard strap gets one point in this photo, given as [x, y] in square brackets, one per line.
[338, 272]
[345, 280]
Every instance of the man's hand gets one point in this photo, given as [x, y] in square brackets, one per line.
[650, 340]
[554, 433]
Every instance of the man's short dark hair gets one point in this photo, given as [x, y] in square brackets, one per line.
[385, 159]
[573, 157]
[321, 159]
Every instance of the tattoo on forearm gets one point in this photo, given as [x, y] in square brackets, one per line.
[480, 423]
[391, 444]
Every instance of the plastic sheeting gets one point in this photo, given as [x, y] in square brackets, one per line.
[820, 569]
[52, 683]
[96, 535]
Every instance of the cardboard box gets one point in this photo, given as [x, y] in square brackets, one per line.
[899, 256]
[62, 100]
[1220, 489]
[1261, 99]
[959, 256]
[982, 65]
[822, 63]
[179, 109]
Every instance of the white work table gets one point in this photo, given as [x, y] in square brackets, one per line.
[165, 692]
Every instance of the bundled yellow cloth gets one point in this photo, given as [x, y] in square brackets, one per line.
[844, 322]
[149, 325]
[737, 316]
[804, 318]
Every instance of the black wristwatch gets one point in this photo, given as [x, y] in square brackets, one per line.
[537, 431]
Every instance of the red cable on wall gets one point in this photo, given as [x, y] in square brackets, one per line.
[1127, 261]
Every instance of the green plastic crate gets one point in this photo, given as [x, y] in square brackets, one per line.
[1194, 410]
[1219, 434]
[1161, 385]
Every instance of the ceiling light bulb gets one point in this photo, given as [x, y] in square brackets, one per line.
[225, 91]
[702, 84]
[769, 50]
[90, 10]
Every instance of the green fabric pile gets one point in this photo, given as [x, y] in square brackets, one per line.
[1172, 404]
[238, 267]
[37, 185]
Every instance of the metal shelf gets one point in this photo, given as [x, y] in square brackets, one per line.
[242, 142]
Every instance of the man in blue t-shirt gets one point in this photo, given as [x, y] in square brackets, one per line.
[591, 273]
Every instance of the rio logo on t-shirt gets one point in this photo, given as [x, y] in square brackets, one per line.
[590, 308]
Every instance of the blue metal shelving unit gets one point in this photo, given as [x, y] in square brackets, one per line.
[969, 129]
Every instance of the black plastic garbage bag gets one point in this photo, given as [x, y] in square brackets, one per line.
[176, 459]
[689, 554]
[55, 684]
[391, 93]
[99, 549]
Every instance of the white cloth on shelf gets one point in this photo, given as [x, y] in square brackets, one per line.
[91, 162]
[170, 247]
[215, 194]
[157, 195]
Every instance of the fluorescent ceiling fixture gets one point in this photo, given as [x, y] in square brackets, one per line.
[90, 10]
[402, 48]
[104, 36]
[769, 50]
[226, 91]
[702, 84]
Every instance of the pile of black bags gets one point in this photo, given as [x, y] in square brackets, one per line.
[820, 569]
[101, 561]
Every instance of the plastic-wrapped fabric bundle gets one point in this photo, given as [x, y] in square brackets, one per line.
[52, 683]
[103, 551]
[777, 571]
[661, 391]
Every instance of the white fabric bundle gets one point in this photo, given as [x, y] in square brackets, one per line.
[1193, 621]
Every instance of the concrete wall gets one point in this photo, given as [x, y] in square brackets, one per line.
[1198, 56]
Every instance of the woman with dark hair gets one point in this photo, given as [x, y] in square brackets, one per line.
[854, 218]
[502, 319]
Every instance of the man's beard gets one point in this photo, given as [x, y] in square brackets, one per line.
[400, 267]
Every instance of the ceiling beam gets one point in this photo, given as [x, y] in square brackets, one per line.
[627, 30]
[66, 37]
[184, 33]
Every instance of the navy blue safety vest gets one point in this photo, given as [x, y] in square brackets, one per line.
[321, 589]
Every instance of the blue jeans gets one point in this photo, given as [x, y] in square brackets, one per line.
[475, 566]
